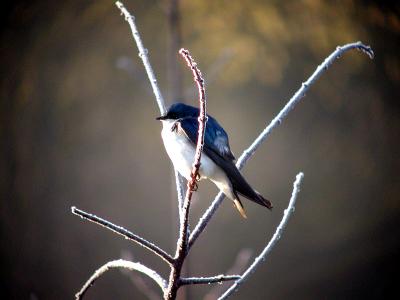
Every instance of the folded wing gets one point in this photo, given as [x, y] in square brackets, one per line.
[216, 147]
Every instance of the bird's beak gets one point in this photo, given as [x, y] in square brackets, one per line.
[162, 118]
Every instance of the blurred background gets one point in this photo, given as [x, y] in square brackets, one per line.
[77, 128]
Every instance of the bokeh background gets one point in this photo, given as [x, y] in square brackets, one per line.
[77, 127]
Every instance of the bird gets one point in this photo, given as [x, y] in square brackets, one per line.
[179, 135]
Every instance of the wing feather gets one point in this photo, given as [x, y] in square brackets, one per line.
[215, 137]
[223, 158]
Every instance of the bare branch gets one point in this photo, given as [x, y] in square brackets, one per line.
[299, 95]
[184, 241]
[214, 70]
[120, 263]
[125, 233]
[180, 192]
[143, 54]
[182, 244]
[277, 235]
[208, 280]
[248, 153]
[202, 119]
[141, 283]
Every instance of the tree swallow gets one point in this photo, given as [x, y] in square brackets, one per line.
[179, 133]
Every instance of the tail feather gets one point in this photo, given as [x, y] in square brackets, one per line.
[265, 202]
[240, 185]
[239, 207]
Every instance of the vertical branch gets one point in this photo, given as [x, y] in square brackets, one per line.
[143, 54]
[174, 44]
[180, 191]
[175, 88]
[182, 244]
[199, 148]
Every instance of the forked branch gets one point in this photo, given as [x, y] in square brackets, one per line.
[249, 152]
[185, 242]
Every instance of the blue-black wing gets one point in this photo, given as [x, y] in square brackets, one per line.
[222, 158]
[215, 137]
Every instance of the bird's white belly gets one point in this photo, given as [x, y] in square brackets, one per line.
[181, 151]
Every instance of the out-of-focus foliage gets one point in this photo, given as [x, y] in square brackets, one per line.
[266, 32]
[77, 128]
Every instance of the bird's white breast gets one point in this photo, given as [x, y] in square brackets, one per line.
[181, 151]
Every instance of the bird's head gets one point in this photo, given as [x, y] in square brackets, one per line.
[179, 111]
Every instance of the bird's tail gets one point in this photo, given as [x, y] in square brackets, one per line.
[261, 200]
[240, 186]
[239, 207]
[238, 183]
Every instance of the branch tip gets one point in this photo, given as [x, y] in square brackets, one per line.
[293, 101]
[125, 233]
[143, 54]
[182, 246]
[268, 248]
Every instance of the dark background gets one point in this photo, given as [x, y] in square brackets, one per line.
[77, 128]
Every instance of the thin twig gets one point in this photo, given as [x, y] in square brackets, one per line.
[248, 153]
[277, 235]
[120, 263]
[174, 33]
[208, 280]
[182, 243]
[125, 233]
[202, 119]
[180, 192]
[143, 54]
[216, 67]
[141, 283]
